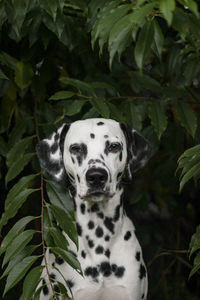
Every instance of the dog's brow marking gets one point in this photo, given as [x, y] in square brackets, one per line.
[100, 123]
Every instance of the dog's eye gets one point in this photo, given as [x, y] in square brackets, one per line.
[114, 147]
[75, 148]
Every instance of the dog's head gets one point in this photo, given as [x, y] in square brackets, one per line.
[95, 154]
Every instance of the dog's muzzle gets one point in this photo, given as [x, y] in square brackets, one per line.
[96, 179]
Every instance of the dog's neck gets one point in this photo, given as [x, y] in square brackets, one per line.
[106, 215]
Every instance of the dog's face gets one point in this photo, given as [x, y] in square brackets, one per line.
[95, 154]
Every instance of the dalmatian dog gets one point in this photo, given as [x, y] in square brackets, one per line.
[96, 155]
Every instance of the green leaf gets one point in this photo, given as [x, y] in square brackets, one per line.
[31, 282]
[73, 107]
[194, 171]
[18, 272]
[59, 239]
[108, 11]
[66, 222]
[37, 293]
[59, 196]
[167, 7]
[191, 152]
[79, 85]
[108, 20]
[20, 186]
[18, 244]
[47, 223]
[50, 6]
[187, 117]
[18, 149]
[62, 95]
[28, 250]
[138, 17]
[18, 130]
[8, 60]
[158, 40]
[196, 265]
[101, 107]
[143, 45]
[14, 206]
[158, 117]
[120, 37]
[17, 166]
[3, 147]
[192, 5]
[68, 257]
[23, 75]
[137, 112]
[14, 232]
[195, 241]
[116, 113]
[3, 76]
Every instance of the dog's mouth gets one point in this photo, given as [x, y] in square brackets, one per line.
[96, 194]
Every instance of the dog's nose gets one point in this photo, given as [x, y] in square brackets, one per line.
[96, 177]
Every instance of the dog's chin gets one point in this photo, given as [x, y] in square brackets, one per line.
[96, 196]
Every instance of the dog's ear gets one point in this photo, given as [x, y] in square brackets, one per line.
[50, 153]
[138, 151]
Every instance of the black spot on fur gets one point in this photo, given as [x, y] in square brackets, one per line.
[73, 160]
[56, 288]
[100, 215]
[100, 123]
[95, 207]
[105, 269]
[109, 224]
[119, 175]
[107, 238]
[107, 253]
[73, 253]
[142, 296]
[137, 256]
[102, 156]
[78, 178]
[92, 135]
[120, 156]
[99, 250]
[81, 155]
[114, 268]
[79, 229]
[82, 207]
[54, 148]
[106, 136]
[89, 271]
[117, 213]
[90, 243]
[99, 232]
[127, 236]
[106, 151]
[45, 288]
[83, 254]
[70, 283]
[90, 225]
[119, 272]
[142, 271]
[52, 277]
[59, 260]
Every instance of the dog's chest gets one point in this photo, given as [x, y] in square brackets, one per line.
[107, 247]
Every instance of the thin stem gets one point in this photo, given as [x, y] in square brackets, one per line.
[43, 205]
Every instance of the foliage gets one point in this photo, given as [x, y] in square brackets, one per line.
[133, 61]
